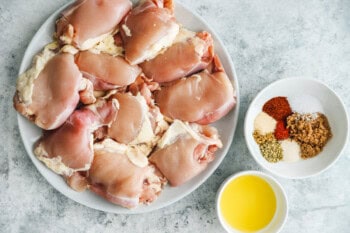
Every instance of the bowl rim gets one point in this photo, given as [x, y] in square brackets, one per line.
[260, 174]
[346, 126]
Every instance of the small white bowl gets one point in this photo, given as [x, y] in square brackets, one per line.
[334, 110]
[281, 213]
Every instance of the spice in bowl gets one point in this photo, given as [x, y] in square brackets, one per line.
[272, 151]
[281, 132]
[278, 108]
[305, 104]
[291, 150]
[264, 123]
[284, 134]
[311, 131]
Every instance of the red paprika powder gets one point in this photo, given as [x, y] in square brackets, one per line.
[278, 108]
[281, 132]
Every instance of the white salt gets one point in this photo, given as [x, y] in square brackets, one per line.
[291, 150]
[305, 104]
[264, 124]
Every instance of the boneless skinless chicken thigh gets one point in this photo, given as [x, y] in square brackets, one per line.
[87, 22]
[190, 53]
[106, 72]
[147, 29]
[119, 176]
[70, 148]
[185, 150]
[209, 95]
[125, 96]
[49, 91]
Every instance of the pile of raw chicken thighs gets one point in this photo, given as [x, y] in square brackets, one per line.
[125, 96]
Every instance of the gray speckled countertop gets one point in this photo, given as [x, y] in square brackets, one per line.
[267, 40]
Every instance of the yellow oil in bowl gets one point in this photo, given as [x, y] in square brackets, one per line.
[248, 203]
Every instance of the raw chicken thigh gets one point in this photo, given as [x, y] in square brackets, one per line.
[116, 176]
[190, 53]
[48, 92]
[184, 151]
[132, 115]
[105, 71]
[202, 98]
[70, 148]
[147, 29]
[87, 22]
[136, 123]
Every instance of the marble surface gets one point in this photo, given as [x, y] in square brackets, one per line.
[267, 40]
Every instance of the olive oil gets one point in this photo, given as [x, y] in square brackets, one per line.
[248, 203]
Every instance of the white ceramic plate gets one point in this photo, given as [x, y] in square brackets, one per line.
[226, 126]
[334, 110]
